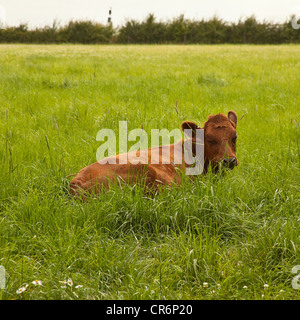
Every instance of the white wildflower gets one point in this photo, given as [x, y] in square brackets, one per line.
[240, 263]
[37, 282]
[79, 286]
[70, 282]
[64, 284]
[22, 289]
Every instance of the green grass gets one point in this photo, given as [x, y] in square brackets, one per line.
[238, 232]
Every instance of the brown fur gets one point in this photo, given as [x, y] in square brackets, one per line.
[219, 135]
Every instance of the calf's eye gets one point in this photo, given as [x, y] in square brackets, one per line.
[212, 142]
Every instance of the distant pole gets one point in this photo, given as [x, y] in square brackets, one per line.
[109, 15]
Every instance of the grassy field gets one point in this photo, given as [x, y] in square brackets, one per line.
[229, 237]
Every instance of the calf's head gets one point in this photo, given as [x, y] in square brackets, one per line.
[219, 140]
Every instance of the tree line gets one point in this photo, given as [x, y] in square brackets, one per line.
[150, 31]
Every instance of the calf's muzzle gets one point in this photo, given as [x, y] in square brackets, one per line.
[230, 162]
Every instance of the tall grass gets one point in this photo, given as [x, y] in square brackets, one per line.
[234, 236]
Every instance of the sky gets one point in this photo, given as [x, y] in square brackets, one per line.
[38, 13]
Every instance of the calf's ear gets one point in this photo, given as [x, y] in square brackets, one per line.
[189, 125]
[232, 116]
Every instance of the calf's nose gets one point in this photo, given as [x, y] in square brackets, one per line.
[230, 162]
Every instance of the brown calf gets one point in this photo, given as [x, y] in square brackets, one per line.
[219, 148]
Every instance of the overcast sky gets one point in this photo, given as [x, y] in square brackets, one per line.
[44, 12]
